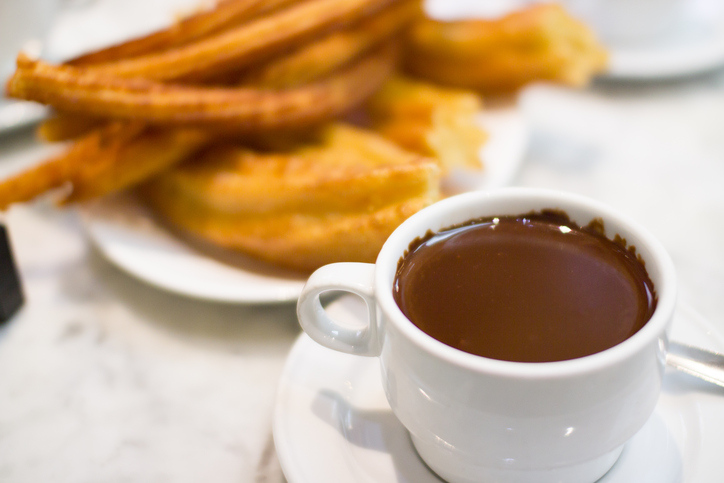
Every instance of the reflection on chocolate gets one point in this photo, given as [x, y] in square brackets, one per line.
[528, 288]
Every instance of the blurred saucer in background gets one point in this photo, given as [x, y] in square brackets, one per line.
[695, 45]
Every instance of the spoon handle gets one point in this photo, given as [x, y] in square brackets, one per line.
[697, 362]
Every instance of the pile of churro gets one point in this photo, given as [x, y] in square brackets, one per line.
[302, 132]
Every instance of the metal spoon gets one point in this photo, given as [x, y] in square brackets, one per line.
[697, 362]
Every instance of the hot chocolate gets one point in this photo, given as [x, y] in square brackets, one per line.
[528, 288]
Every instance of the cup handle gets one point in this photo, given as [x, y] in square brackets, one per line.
[356, 278]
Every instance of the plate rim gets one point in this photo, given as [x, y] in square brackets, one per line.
[90, 226]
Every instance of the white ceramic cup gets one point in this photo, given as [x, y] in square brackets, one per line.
[474, 419]
[625, 22]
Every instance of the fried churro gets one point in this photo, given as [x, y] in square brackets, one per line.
[148, 154]
[542, 42]
[62, 169]
[302, 66]
[434, 121]
[246, 44]
[64, 126]
[107, 160]
[230, 109]
[324, 56]
[225, 15]
[334, 200]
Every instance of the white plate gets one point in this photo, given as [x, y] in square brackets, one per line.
[695, 46]
[19, 114]
[128, 235]
[332, 422]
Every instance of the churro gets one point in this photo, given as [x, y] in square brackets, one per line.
[147, 155]
[246, 44]
[324, 56]
[225, 15]
[64, 126]
[336, 199]
[229, 109]
[434, 121]
[542, 42]
[62, 169]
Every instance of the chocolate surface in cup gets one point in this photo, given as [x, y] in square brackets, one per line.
[529, 288]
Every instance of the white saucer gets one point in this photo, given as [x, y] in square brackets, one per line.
[332, 422]
[128, 235]
[696, 46]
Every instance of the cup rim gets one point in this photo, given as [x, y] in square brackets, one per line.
[400, 239]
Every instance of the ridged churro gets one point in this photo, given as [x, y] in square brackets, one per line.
[62, 169]
[246, 44]
[542, 42]
[434, 121]
[229, 109]
[322, 57]
[223, 16]
[337, 199]
[107, 160]
[306, 178]
[147, 155]
[64, 126]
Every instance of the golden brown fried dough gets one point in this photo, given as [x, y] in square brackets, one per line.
[302, 66]
[322, 203]
[307, 178]
[246, 44]
[433, 121]
[109, 159]
[541, 42]
[143, 157]
[64, 126]
[298, 241]
[239, 110]
[225, 15]
[322, 57]
[62, 169]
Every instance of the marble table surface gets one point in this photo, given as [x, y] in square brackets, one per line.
[106, 379]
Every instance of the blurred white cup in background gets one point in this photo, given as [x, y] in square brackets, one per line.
[628, 21]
